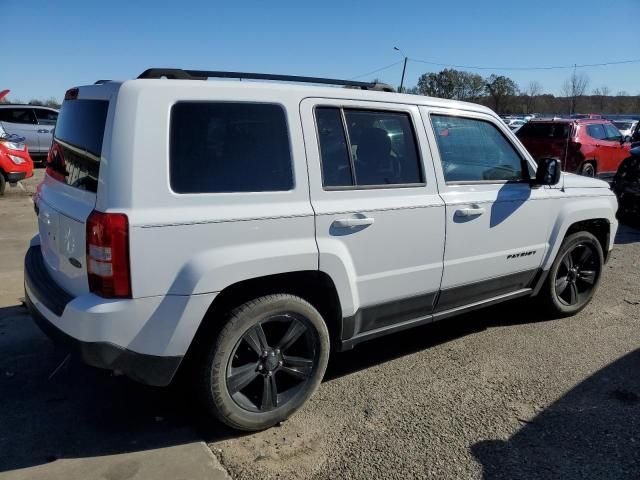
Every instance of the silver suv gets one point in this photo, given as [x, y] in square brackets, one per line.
[34, 123]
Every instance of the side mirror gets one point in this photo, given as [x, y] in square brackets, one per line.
[549, 171]
[625, 139]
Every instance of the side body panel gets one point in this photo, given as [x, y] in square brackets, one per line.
[390, 270]
[500, 247]
[186, 244]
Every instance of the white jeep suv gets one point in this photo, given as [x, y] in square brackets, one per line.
[250, 227]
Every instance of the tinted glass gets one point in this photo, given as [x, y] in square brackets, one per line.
[596, 131]
[78, 142]
[384, 148]
[544, 130]
[17, 115]
[612, 133]
[229, 147]
[475, 150]
[336, 167]
[46, 117]
[623, 125]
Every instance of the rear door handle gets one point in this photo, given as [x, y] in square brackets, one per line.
[469, 212]
[44, 131]
[353, 222]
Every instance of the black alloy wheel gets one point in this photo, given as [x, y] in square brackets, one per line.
[577, 274]
[272, 362]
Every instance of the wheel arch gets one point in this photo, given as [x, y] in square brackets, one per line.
[589, 215]
[314, 286]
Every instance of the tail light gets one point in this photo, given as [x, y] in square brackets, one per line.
[108, 255]
[55, 163]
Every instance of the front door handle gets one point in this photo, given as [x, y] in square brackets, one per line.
[469, 212]
[353, 222]
[44, 131]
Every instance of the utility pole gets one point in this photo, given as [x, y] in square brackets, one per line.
[404, 67]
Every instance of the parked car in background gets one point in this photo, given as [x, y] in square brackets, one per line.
[626, 185]
[514, 123]
[34, 123]
[256, 227]
[15, 162]
[635, 136]
[626, 126]
[586, 116]
[594, 148]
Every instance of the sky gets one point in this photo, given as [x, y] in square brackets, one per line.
[50, 46]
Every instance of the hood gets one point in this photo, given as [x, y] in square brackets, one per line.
[571, 180]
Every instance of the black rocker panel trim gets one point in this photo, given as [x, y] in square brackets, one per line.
[476, 292]
[387, 314]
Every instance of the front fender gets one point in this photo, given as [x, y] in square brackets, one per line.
[579, 210]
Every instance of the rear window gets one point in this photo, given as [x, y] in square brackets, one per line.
[229, 147]
[75, 158]
[544, 130]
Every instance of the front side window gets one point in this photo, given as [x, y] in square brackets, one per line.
[613, 134]
[378, 148]
[17, 115]
[229, 147]
[596, 131]
[46, 117]
[475, 150]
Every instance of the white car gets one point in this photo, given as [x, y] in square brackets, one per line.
[625, 126]
[252, 227]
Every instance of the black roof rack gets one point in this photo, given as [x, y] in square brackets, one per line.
[100, 82]
[179, 74]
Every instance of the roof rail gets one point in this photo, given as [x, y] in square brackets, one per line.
[179, 74]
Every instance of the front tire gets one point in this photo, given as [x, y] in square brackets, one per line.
[574, 275]
[3, 183]
[588, 170]
[267, 360]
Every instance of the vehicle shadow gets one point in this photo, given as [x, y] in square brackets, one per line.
[627, 234]
[53, 409]
[591, 432]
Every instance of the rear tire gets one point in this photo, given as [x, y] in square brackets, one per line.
[574, 275]
[267, 360]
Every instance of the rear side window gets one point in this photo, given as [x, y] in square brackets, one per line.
[596, 131]
[378, 148]
[77, 146]
[229, 147]
[46, 117]
[474, 150]
[544, 130]
[17, 115]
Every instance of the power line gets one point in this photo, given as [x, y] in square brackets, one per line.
[377, 70]
[555, 67]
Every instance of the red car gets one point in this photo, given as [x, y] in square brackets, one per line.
[15, 161]
[590, 147]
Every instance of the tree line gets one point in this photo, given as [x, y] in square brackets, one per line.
[51, 102]
[503, 95]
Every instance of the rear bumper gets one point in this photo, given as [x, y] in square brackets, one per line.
[144, 338]
[147, 369]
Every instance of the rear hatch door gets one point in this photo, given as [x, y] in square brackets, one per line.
[69, 191]
[545, 139]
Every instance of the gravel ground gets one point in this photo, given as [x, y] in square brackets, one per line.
[500, 393]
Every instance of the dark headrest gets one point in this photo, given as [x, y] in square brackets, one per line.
[374, 140]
